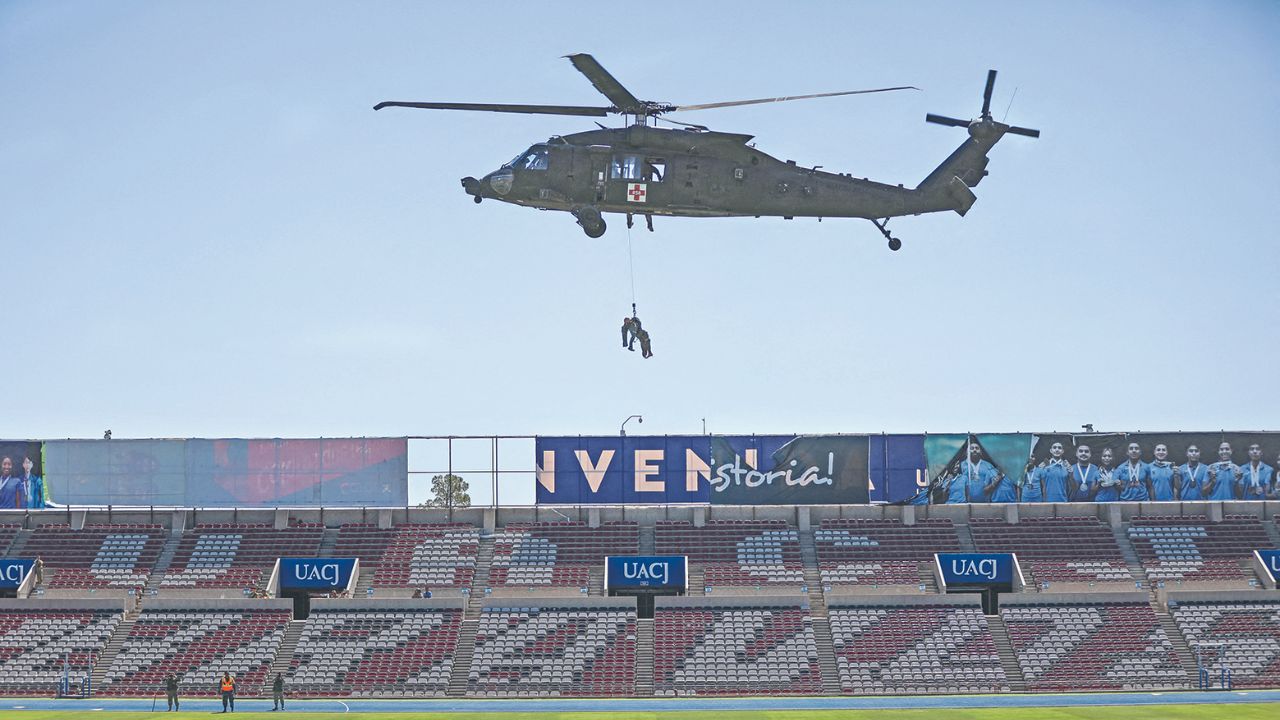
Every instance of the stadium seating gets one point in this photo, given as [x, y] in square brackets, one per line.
[757, 649]
[736, 552]
[99, 556]
[36, 644]
[1057, 549]
[879, 552]
[557, 554]
[233, 555]
[552, 651]
[915, 649]
[1192, 549]
[1240, 636]
[413, 556]
[197, 646]
[375, 653]
[1092, 646]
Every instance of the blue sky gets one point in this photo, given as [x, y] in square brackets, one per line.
[208, 232]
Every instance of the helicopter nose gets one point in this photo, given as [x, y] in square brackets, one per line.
[471, 186]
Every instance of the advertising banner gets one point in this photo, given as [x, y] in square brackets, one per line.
[13, 571]
[976, 568]
[22, 482]
[315, 573]
[899, 468]
[718, 470]
[645, 572]
[358, 472]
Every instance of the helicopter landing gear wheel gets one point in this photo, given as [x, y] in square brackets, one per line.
[592, 221]
[894, 243]
[477, 199]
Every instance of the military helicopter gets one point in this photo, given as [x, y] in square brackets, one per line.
[692, 171]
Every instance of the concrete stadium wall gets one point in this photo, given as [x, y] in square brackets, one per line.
[952, 600]
[801, 516]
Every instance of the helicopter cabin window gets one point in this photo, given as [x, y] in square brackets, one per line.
[625, 167]
[533, 159]
[637, 167]
[655, 169]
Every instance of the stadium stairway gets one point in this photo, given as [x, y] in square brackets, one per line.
[18, 542]
[595, 582]
[927, 578]
[1180, 646]
[644, 657]
[821, 618]
[479, 583]
[1272, 529]
[458, 678]
[1131, 560]
[965, 535]
[697, 580]
[365, 581]
[164, 561]
[103, 663]
[328, 542]
[284, 654]
[1008, 658]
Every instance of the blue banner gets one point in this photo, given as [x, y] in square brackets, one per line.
[1271, 561]
[315, 573]
[899, 470]
[976, 568]
[717, 470]
[13, 571]
[650, 572]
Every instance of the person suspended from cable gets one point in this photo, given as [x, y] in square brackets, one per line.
[629, 333]
[646, 350]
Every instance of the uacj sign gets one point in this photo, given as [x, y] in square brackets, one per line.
[976, 568]
[645, 572]
[13, 571]
[1271, 561]
[315, 573]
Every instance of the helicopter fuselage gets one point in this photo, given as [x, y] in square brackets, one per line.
[644, 170]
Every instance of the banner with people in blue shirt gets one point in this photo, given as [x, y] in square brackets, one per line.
[22, 482]
[1101, 467]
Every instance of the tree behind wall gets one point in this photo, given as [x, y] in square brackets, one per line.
[449, 491]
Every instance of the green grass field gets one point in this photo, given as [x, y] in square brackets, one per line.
[1257, 711]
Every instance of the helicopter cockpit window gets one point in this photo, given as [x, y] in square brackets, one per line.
[625, 167]
[534, 159]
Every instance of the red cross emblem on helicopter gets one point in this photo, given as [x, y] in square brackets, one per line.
[636, 192]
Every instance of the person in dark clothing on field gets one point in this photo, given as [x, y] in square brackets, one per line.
[228, 688]
[277, 693]
[171, 691]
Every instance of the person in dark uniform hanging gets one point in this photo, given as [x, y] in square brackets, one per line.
[628, 333]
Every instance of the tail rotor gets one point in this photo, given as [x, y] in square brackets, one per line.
[984, 125]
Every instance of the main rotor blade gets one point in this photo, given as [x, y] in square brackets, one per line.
[986, 94]
[944, 120]
[621, 98]
[497, 107]
[1028, 132]
[733, 103]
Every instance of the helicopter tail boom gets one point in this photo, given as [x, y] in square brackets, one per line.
[947, 187]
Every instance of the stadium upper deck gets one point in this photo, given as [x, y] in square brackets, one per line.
[799, 600]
